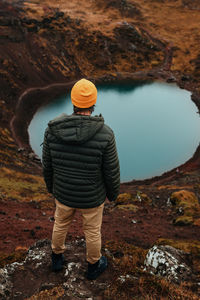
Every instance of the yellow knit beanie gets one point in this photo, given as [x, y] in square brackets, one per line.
[84, 94]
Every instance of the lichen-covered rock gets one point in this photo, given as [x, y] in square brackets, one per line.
[168, 262]
[33, 278]
[36, 257]
[5, 284]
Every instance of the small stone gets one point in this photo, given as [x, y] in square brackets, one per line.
[32, 233]
[169, 204]
[122, 279]
[134, 221]
[33, 156]
[20, 150]
[38, 227]
[180, 210]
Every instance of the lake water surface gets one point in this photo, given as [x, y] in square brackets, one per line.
[156, 125]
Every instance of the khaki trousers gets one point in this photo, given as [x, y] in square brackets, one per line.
[92, 221]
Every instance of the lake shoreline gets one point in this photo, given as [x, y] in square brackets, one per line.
[51, 91]
[149, 52]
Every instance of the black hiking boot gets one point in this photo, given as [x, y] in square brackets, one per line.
[94, 270]
[57, 262]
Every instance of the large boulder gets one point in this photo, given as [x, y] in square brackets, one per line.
[169, 262]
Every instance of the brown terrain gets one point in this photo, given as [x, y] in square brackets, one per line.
[47, 45]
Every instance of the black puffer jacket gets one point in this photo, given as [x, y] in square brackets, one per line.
[80, 161]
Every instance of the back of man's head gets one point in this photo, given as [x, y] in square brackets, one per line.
[84, 94]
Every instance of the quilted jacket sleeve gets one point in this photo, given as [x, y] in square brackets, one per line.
[47, 164]
[111, 170]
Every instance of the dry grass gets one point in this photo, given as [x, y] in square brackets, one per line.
[130, 281]
[54, 293]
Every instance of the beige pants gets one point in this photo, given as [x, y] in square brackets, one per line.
[92, 220]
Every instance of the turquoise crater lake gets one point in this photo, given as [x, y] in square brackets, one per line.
[156, 125]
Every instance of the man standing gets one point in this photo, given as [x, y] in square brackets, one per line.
[81, 169]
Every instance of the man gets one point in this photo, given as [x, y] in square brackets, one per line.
[81, 169]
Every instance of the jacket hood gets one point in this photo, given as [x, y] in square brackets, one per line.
[75, 129]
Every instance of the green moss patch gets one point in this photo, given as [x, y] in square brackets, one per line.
[22, 187]
[186, 203]
[126, 198]
[131, 207]
[191, 246]
[183, 220]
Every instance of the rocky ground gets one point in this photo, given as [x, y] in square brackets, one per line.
[44, 48]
